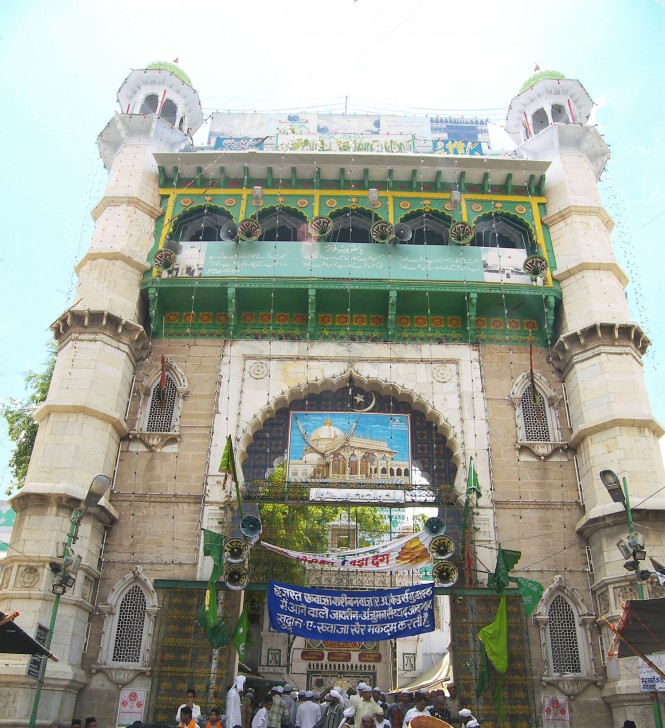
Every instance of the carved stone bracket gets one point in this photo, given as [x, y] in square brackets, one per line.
[120, 676]
[571, 686]
[154, 440]
[541, 449]
[89, 322]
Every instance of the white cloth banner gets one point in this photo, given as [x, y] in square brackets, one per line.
[408, 552]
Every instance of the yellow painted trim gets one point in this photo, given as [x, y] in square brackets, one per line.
[168, 217]
[243, 206]
[391, 209]
[465, 216]
[345, 193]
[317, 202]
[541, 237]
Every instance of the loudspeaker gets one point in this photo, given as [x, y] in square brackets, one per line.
[236, 551]
[249, 230]
[236, 577]
[321, 226]
[441, 547]
[250, 526]
[445, 574]
[435, 526]
[173, 245]
[382, 232]
[228, 232]
[402, 232]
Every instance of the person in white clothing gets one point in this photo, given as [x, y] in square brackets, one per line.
[420, 708]
[308, 712]
[189, 703]
[261, 718]
[234, 705]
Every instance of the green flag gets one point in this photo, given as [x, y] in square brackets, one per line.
[210, 603]
[472, 484]
[239, 638]
[228, 463]
[213, 546]
[530, 591]
[216, 634]
[483, 672]
[495, 638]
[505, 562]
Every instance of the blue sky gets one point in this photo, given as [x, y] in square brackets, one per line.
[62, 63]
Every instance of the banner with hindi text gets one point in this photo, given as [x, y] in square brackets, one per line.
[361, 616]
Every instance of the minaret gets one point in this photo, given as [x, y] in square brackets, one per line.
[599, 348]
[81, 423]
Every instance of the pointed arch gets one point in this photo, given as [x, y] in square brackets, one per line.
[536, 415]
[160, 407]
[428, 227]
[352, 225]
[200, 223]
[503, 230]
[282, 223]
[565, 637]
[129, 618]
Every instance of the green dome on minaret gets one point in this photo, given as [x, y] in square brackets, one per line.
[166, 66]
[539, 76]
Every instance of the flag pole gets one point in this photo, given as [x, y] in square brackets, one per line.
[632, 647]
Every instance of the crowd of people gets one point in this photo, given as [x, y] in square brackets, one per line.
[362, 707]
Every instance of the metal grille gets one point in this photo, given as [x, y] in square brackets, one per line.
[534, 416]
[129, 631]
[563, 638]
[160, 414]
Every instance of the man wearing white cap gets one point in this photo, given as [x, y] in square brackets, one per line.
[365, 706]
[279, 714]
[233, 703]
[473, 723]
[333, 714]
[347, 720]
[290, 702]
[308, 712]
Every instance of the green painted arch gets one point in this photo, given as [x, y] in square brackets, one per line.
[172, 68]
[436, 214]
[541, 75]
[532, 246]
[287, 209]
[361, 211]
[192, 211]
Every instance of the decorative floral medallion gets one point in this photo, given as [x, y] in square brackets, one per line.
[442, 373]
[258, 370]
[520, 209]
[461, 233]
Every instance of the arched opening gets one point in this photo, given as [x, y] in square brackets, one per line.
[498, 230]
[200, 224]
[169, 111]
[539, 121]
[352, 226]
[428, 228]
[150, 104]
[282, 224]
[559, 114]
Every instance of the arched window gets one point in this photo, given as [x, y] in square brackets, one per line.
[352, 226]
[428, 228]
[158, 418]
[278, 223]
[130, 627]
[564, 646]
[150, 104]
[129, 616]
[497, 230]
[200, 223]
[162, 410]
[565, 638]
[169, 111]
[536, 416]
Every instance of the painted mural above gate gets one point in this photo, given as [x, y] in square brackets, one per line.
[355, 448]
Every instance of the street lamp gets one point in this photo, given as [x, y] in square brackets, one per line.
[65, 573]
[632, 549]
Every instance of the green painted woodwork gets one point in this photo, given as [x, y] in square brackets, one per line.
[166, 66]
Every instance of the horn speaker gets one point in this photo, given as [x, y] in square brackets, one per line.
[228, 232]
[250, 526]
[236, 551]
[445, 574]
[441, 547]
[435, 526]
[173, 245]
[402, 232]
[236, 577]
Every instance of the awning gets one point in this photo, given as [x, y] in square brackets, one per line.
[432, 679]
[14, 640]
[643, 624]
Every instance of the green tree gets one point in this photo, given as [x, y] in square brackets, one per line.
[21, 425]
